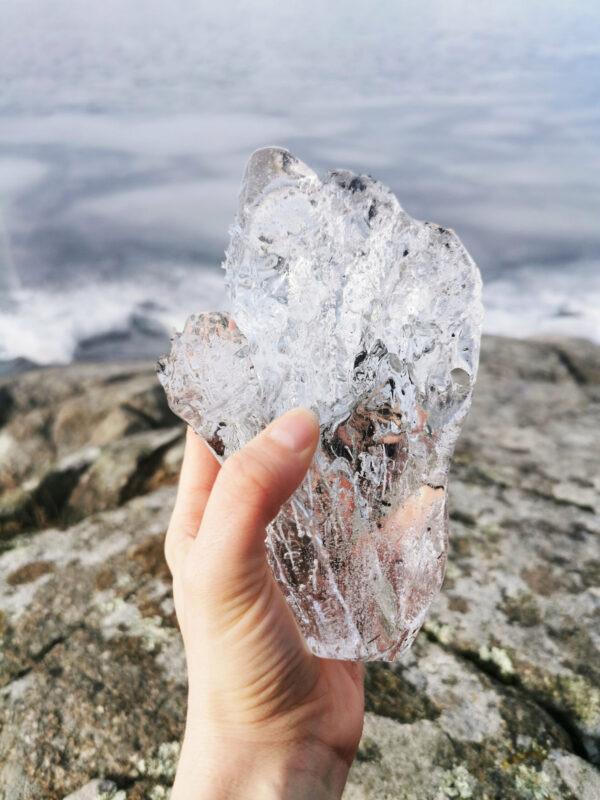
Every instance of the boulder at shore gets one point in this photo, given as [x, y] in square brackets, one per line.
[498, 699]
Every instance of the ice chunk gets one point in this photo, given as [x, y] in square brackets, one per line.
[345, 304]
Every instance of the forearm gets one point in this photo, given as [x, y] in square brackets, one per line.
[244, 772]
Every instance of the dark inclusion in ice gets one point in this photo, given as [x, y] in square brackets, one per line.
[345, 304]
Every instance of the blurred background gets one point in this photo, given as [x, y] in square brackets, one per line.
[125, 127]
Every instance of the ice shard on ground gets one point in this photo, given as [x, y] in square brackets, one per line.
[345, 304]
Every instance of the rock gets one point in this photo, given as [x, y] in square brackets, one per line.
[97, 790]
[522, 591]
[124, 469]
[580, 357]
[89, 649]
[438, 727]
[42, 500]
[46, 414]
[78, 439]
[497, 700]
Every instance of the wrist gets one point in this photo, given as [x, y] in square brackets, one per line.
[250, 771]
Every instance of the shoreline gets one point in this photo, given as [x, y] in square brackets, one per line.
[11, 368]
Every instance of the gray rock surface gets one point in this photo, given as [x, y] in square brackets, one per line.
[500, 695]
[81, 439]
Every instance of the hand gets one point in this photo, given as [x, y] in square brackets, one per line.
[266, 718]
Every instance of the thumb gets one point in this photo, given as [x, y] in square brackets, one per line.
[247, 494]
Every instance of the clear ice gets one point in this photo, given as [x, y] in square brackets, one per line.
[345, 304]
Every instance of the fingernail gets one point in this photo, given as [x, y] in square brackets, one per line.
[295, 430]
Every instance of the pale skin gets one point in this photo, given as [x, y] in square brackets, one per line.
[266, 718]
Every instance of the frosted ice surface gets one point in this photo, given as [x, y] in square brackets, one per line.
[345, 304]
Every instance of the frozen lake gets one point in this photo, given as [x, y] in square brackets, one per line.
[125, 127]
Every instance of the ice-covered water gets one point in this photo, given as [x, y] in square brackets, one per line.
[124, 127]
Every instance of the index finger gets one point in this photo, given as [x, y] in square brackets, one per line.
[198, 472]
